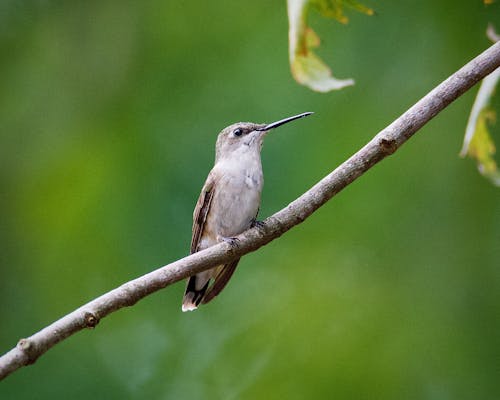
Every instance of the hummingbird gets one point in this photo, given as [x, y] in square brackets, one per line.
[229, 202]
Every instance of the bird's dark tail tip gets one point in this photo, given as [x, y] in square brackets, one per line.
[192, 297]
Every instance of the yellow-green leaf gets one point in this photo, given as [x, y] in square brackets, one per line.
[307, 68]
[478, 142]
[335, 8]
[482, 147]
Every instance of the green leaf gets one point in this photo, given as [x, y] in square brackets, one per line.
[335, 8]
[307, 68]
[478, 142]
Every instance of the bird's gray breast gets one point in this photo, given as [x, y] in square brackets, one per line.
[237, 198]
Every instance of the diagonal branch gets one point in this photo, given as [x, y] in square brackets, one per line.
[383, 144]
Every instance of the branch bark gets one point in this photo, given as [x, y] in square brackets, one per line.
[383, 144]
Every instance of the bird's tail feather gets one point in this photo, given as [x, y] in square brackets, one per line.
[192, 296]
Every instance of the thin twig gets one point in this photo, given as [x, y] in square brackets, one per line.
[383, 144]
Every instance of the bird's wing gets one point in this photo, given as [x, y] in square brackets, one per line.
[220, 281]
[201, 211]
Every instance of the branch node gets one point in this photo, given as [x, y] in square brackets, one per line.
[388, 146]
[91, 320]
[29, 349]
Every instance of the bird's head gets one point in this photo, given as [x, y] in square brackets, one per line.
[246, 136]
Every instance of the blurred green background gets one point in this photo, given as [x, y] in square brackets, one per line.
[109, 112]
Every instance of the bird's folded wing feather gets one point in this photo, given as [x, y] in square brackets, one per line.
[221, 280]
[201, 211]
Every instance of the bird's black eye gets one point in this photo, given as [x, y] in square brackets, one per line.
[238, 132]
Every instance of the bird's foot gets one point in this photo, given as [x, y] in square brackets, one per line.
[258, 224]
[232, 241]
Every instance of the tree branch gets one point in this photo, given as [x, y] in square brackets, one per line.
[383, 144]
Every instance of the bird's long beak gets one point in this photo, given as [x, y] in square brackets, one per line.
[283, 121]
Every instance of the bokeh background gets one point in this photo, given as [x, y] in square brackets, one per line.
[109, 112]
